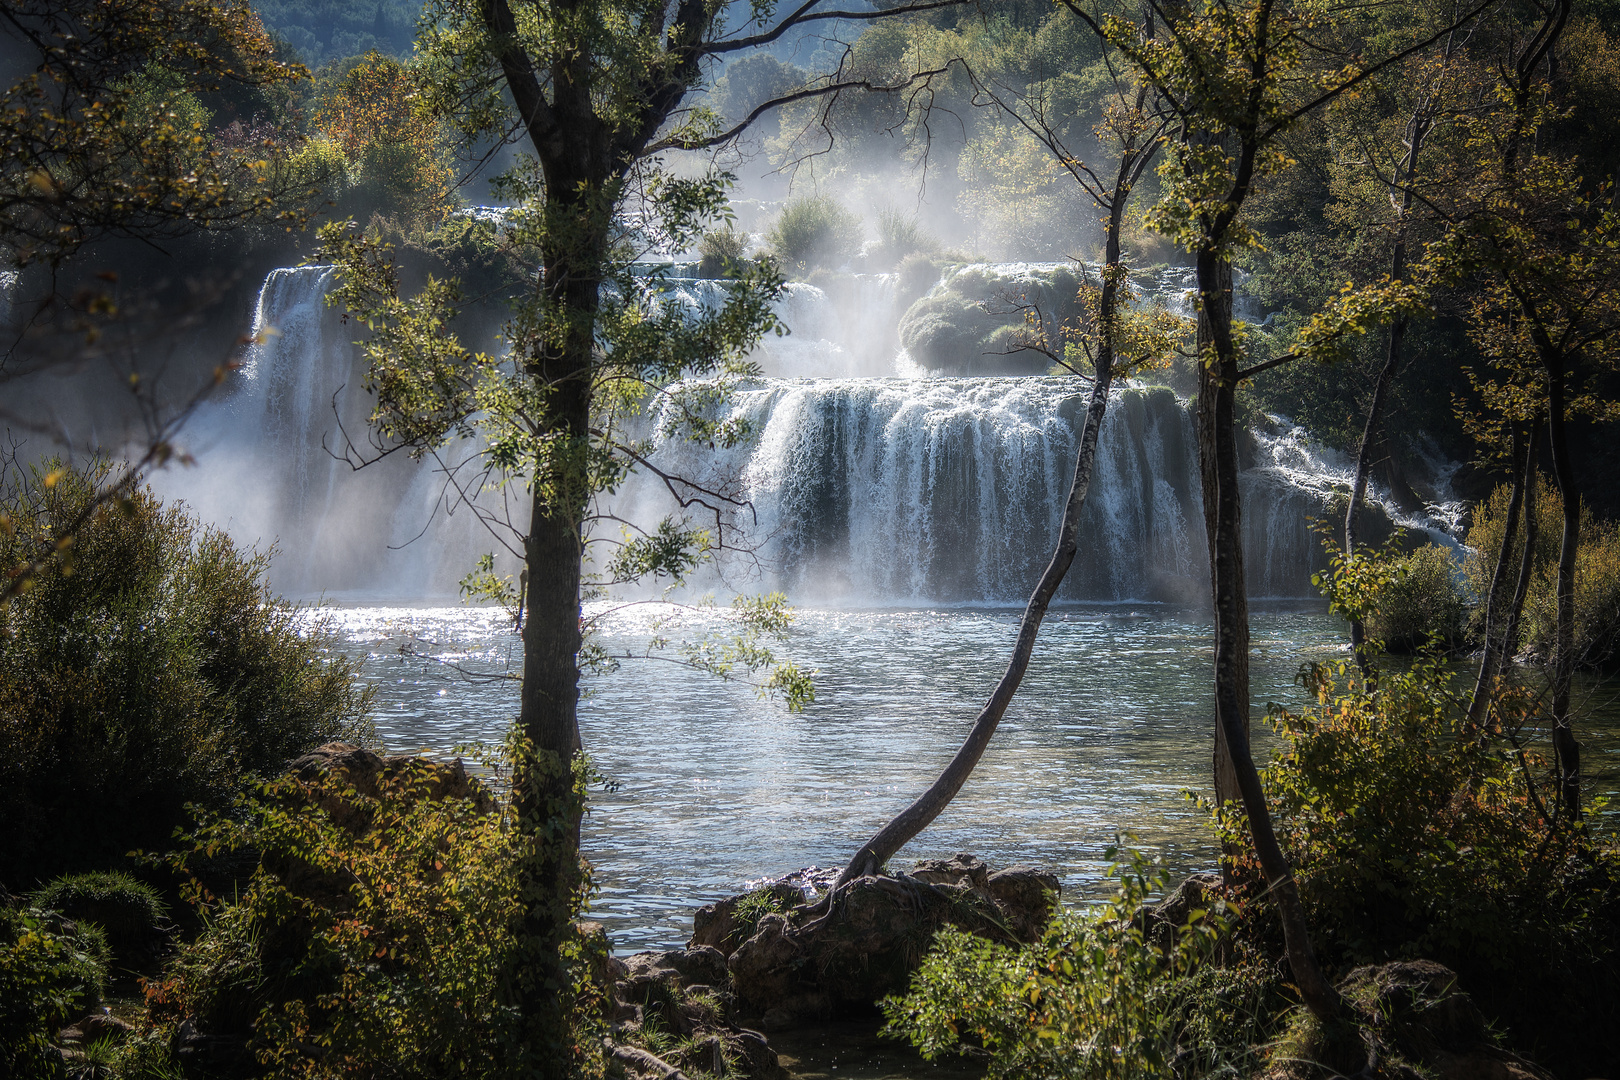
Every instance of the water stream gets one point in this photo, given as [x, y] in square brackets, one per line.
[716, 788]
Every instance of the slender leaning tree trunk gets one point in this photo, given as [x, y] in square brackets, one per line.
[1527, 557]
[928, 806]
[1403, 186]
[1496, 600]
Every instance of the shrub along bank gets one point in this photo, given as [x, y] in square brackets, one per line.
[151, 670]
[1423, 844]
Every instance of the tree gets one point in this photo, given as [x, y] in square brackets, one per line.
[595, 90]
[1115, 342]
[1235, 77]
[1545, 248]
[93, 140]
[1432, 81]
[370, 113]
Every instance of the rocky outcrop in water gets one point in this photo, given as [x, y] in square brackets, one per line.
[790, 963]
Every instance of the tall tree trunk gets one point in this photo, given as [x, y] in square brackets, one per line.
[1495, 601]
[1223, 521]
[928, 806]
[545, 802]
[1527, 558]
[1358, 488]
[1563, 736]
[1232, 632]
[1418, 130]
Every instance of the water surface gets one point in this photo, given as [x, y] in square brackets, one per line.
[712, 787]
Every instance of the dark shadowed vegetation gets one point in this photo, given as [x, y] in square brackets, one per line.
[150, 670]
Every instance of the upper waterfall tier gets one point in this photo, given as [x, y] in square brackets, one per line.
[276, 464]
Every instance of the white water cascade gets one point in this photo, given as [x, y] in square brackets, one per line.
[851, 336]
[275, 465]
[919, 491]
[860, 490]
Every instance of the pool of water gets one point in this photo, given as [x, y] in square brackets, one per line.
[711, 787]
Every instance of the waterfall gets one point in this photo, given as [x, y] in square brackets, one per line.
[272, 468]
[849, 334]
[894, 491]
[856, 490]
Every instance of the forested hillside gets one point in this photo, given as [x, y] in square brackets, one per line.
[325, 30]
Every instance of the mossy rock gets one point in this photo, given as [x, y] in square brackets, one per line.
[972, 322]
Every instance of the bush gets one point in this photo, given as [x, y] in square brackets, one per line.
[1597, 577]
[152, 671]
[129, 912]
[815, 233]
[1425, 602]
[50, 974]
[721, 251]
[377, 941]
[900, 236]
[1415, 835]
[1097, 997]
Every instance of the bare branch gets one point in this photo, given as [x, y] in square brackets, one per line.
[804, 15]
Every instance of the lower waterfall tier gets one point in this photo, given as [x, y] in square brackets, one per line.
[907, 491]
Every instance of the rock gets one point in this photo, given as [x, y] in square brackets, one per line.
[804, 963]
[768, 968]
[755, 1057]
[863, 947]
[97, 1026]
[367, 772]
[967, 870]
[719, 926]
[646, 973]
[1418, 1022]
[1161, 920]
[688, 992]
[1026, 896]
[1419, 1001]
[329, 769]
